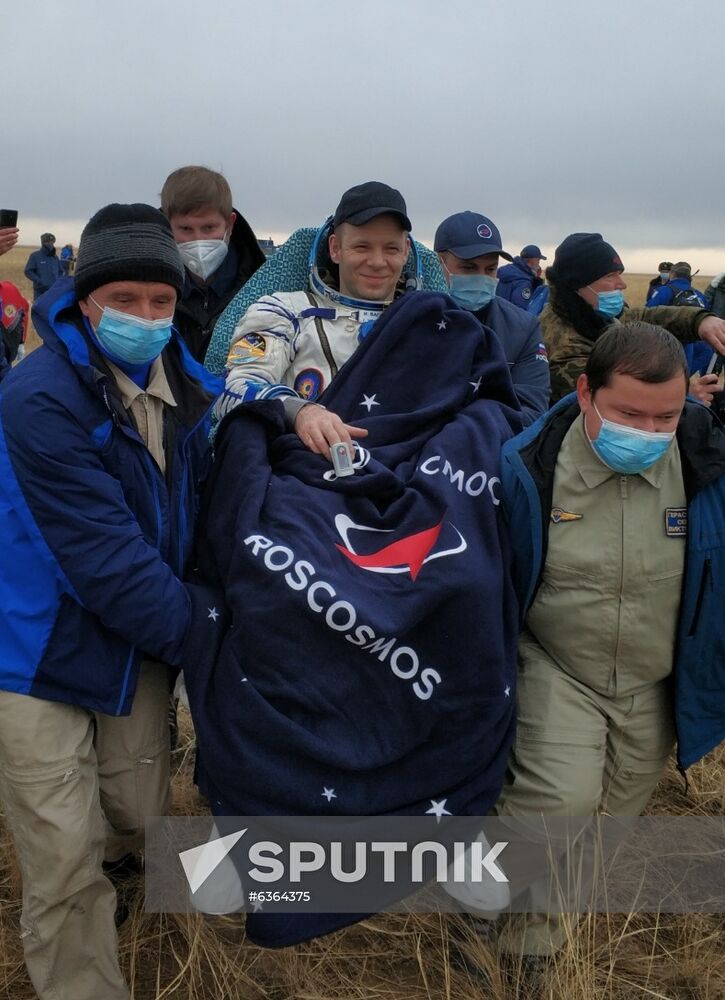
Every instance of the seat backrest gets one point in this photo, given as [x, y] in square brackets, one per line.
[288, 271]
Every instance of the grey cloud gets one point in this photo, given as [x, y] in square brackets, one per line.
[550, 118]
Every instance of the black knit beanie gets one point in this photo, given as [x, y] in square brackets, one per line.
[127, 243]
[583, 258]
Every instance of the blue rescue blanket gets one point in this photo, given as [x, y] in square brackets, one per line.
[369, 667]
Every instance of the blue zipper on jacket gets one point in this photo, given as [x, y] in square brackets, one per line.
[181, 532]
[157, 503]
[535, 516]
[157, 506]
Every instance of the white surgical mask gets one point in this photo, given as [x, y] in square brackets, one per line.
[203, 257]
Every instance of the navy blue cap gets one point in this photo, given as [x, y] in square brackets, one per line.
[468, 235]
[366, 201]
[531, 250]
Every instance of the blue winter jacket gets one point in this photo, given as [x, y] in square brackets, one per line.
[664, 295]
[93, 538]
[523, 344]
[517, 283]
[538, 300]
[699, 356]
[527, 475]
[43, 269]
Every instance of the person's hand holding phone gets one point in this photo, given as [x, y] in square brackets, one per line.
[8, 229]
[704, 387]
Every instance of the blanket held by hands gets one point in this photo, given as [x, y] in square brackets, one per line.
[369, 666]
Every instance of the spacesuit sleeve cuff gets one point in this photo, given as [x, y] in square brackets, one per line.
[292, 406]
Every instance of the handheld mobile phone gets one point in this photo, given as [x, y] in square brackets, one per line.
[717, 361]
[341, 459]
[8, 218]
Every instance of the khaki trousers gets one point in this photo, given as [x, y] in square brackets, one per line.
[76, 786]
[577, 753]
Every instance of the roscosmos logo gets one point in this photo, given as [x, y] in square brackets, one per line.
[341, 616]
[404, 555]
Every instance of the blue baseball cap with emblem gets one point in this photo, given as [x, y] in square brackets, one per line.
[531, 250]
[468, 235]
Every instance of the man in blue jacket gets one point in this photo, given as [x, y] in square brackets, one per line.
[660, 279]
[468, 247]
[615, 500]
[678, 291]
[44, 266]
[103, 447]
[518, 280]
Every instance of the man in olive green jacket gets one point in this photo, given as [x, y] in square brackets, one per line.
[587, 296]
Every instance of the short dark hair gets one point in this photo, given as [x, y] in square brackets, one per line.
[189, 189]
[644, 351]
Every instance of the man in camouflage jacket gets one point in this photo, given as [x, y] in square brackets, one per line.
[587, 296]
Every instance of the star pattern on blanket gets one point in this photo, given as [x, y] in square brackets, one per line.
[213, 614]
[442, 326]
[369, 401]
[438, 809]
[507, 691]
[378, 532]
[476, 386]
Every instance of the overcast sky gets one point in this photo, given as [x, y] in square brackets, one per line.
[550, 117]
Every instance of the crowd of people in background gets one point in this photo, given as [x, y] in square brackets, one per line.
[457, 547]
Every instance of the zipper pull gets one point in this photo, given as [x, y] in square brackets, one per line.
[114, 415]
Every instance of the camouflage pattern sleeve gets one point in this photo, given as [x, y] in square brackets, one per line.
[564, 375]
[681, 321]
[568, 352]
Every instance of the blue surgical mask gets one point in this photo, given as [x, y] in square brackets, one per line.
[472, 291]
[129, 338]
[610, 303]
[626, 449]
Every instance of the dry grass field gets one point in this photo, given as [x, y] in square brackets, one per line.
[399, 957]
[647, 956]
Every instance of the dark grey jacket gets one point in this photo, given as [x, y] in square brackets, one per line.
[523, 345]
